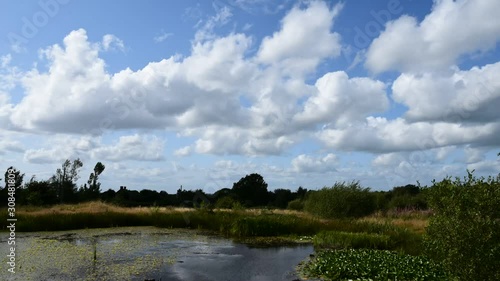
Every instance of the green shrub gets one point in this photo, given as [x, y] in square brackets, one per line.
[372, 265]
[464, 232]
[341, 201]
[296, 205]
[226, 202]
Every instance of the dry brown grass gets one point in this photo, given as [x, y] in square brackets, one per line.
[96, 207]
[417, 225]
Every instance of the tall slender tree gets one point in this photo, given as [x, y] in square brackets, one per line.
[94, 185]
[65, 179]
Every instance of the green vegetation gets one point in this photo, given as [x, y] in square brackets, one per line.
[456, 223]
[296, 205]
[464, 233]
[341, 201]
[350, 240]
[365, 264]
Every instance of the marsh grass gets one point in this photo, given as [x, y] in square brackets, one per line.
[240, 223]
[350, 240]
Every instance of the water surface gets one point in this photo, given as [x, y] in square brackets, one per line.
[139, 253]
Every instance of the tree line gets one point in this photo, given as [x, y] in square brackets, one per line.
[250, 191]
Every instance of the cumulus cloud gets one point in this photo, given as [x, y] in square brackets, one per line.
[233, 102]
[61, 147]
[342, 100]
[460, 96]
[379, 135]
[183, 151]
[7, 145]
[304, 40]
[133, 147]
[452, 29]
[308, 164]
[111, 42]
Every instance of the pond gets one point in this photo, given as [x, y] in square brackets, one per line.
[141, 253]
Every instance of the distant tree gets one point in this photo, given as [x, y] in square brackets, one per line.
[301, 192]
[18, 182]
[108, 195]
[281, 197]
[92, 191]
[251, 190]
[40, 193]
[65, 180]
[18, 177]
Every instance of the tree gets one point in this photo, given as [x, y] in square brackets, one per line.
[94, 187]
[18, 182]
[40, 192]
[17, 175]
[251, 190]
[65, 180]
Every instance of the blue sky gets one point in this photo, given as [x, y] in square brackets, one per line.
[201, 93]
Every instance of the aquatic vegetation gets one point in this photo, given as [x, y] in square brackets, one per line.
[364, 264]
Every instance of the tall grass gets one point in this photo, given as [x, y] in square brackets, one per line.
[238, 224]
[350, 240]
[230, 223]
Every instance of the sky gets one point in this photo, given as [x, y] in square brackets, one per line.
[202, 93]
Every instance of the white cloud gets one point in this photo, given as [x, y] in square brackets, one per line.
[304, 39]
[7, 146]
[342, 100]
[5, 60]
[473, 154]
[452, 29]
[133, 147]
[380, 135]
[308, 164]
[61, 147]
[183, 151]
[162, 37]
[111, 42]
[388, 159]
[222, 17]
[459, 96]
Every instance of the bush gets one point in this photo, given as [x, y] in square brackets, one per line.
[225, 202]
[296, 205]
[341, 201]
[464, 232]
[372, 265]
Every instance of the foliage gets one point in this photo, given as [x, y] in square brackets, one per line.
[296, 205]
[18, 177]
[65, 180]
[464, 232]
[252, 190]
[92, 191]
[40, 193]
[372, 265]
[226, 202]
[341, 200]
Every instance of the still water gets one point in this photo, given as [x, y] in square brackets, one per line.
[141, 253]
